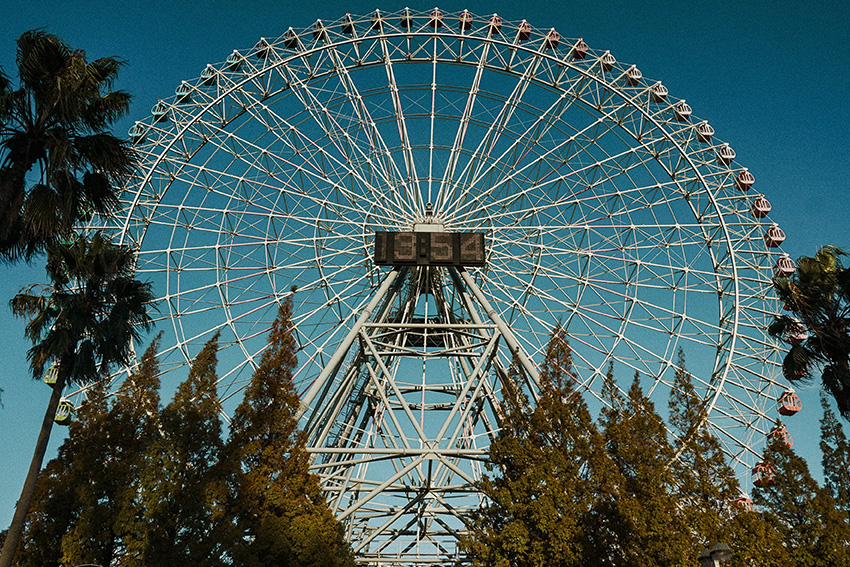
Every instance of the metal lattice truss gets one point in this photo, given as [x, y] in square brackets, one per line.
[607, 206]
[398, 448]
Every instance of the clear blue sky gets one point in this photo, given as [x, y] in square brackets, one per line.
[771, 77]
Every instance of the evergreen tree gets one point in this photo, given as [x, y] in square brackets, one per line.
[277, 503]
[81, 494]
[78, 481]
[812, 529]
[706, 486]
[551, 466]
[83, 321]
[93, 466]
[135, 426]
[836, 458]
[645, 526]
[705, 483]
[755, 541]
[53, 512]
[182, 490]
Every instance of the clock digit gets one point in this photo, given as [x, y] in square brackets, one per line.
[381, 248]
[472, 248]
[442, 251]
[405, 247]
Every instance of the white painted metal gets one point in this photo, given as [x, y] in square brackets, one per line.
[606, 210]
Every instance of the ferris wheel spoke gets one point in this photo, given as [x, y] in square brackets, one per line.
[477, 162]
[606, 288]
[218, 180]
[328, 124]
[463, 126]
[295, 196]
[412, 178]
[251, 275]
[540, 127]
[578, 184]
[315, 164]
[374, 136]
[504, 117]
[377, 151]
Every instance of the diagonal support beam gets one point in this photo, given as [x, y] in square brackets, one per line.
[334, 363]
[506, 332]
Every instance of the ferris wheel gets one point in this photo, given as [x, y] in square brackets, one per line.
[443, 189]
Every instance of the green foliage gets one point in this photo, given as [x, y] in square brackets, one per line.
[83, 494]
[59, 165]
[182, 485]
[53, 512]
[755, 541]
[58, 162]
[137, 485]
[645, 528]
[836, 459]
[570, 491]
[90, 313]
[706, 484]
[84, 321]
[277, 505]
[810, 526]
[551, 464]
[818, 293]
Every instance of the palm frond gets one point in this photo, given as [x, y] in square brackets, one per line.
[58, 161]
[102, 152]
[104, 110]
[43, 213]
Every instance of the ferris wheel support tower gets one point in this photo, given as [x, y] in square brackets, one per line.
[399, 458]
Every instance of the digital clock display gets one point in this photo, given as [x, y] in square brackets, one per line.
[429, 248]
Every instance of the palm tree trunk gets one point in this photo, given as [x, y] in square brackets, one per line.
[22, 508]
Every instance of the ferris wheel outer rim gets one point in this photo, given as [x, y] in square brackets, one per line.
[539, 53]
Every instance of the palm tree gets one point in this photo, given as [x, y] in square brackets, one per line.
[58, 162]
[818, 294]
[84, 321]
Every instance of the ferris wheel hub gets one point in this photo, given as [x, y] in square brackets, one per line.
[430, 224]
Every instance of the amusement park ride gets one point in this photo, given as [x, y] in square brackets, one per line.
[444, 189]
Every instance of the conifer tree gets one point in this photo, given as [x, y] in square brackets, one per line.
[812, 529]
[55, 506]
[836, 458]
[94, 468]
[277, 505]
[135, 422]
[705, 483]
[82, 493]
[755, 541]
[182, 485]
[706, 487]
[79, 482]
[550, 466]
[645, 527]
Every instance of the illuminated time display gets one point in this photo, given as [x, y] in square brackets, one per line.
[429, 248]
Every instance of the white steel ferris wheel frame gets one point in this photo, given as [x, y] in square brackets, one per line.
[607, 208]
